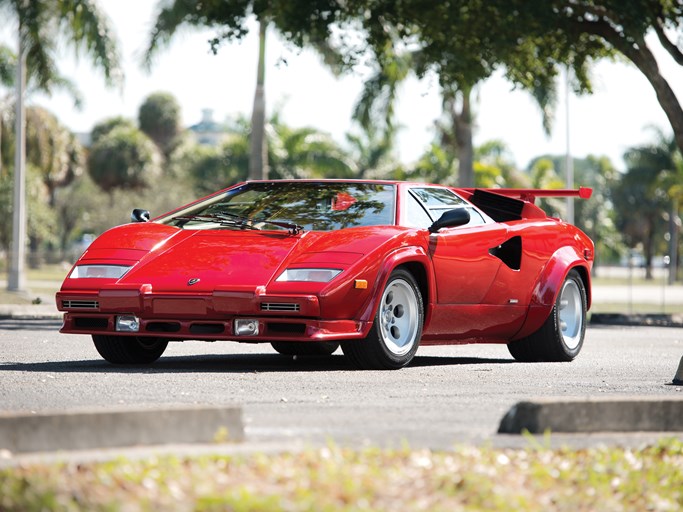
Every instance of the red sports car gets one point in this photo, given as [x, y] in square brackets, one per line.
[378, 267]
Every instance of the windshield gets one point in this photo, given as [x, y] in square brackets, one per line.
[310, 206]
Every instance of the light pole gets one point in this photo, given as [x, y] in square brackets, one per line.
[16, 279]
[569, 163]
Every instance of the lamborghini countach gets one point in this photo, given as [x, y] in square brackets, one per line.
[377, 268]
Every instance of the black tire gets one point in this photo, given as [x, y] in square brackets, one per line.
[293, 348]
[397, 329]
[560, 338]
[129, 349]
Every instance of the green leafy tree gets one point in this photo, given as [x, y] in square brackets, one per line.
[306, 153]
[544, 174]
[436, 165]
[124, 158]
[215, 168]
[495, 154]
[671, 180]
[229, 21]
[159, 117]
[6, 184]
[77, 205]
[42, 220]
[172, 15]
[596, 217]
[464, 42]
[493, 167]
[55, 158]
[293, 153]
[105, 126]
[40, 23]
[641, 200]
[372, 150]
[52, 149]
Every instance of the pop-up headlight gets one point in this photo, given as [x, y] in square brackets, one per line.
[99, 271]
[313, 275]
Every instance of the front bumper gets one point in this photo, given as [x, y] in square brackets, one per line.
[204, 316]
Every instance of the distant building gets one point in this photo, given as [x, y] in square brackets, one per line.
[84, 138]
[208, 131]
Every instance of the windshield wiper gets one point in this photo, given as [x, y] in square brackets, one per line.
[294, 229]
[230, 219]
[217, 218]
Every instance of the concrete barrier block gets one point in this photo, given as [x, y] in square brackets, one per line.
[113, 428]
[595, 415]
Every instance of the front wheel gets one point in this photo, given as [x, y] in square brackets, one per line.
[397, 329]
[560, 338]
[129, 349]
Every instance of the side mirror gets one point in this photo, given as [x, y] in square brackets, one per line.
[139, 215]
[451, 219]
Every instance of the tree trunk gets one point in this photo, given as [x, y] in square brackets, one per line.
[646, 63]
[674, 223]
[258, 159]
[35, 259]
[462, 127]
[649, 248]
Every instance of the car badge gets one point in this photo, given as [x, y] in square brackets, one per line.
[192, 281]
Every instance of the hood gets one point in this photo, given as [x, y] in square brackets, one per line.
[212, 258]
[169, 258]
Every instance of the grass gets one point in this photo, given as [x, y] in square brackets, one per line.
[372, 479]
[44, 281]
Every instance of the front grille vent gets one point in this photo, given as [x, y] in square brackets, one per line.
[280, 306]
[80, 304]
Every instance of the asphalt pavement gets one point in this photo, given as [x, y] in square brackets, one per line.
[609, 414]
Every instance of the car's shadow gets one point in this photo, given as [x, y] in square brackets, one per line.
[233, 363]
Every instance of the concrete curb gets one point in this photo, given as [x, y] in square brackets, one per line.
[613, 414]
[637, 319]
[115, 428]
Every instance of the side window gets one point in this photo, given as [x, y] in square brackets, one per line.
[416, 215]
[475, 218]
[436, 201]
[438, 198]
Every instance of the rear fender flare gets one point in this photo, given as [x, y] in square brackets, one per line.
[405, 256]
[548, 285]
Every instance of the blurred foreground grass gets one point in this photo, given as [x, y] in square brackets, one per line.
[372, 479]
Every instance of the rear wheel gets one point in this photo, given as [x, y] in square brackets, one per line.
[560, 338]
[293, 348]
[129, 349]
[397, 329]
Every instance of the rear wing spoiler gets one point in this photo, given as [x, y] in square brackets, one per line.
[530, 194]
[506, 204]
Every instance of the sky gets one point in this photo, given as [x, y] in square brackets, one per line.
[618, 115]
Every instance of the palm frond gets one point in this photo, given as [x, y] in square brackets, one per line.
[87, 25]
[8, 62]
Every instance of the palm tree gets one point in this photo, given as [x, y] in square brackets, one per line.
[380, 92]
[228, 18]
[170, 16]
[643, 198]
[306, 153]
[258, 154]
[39, 24]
